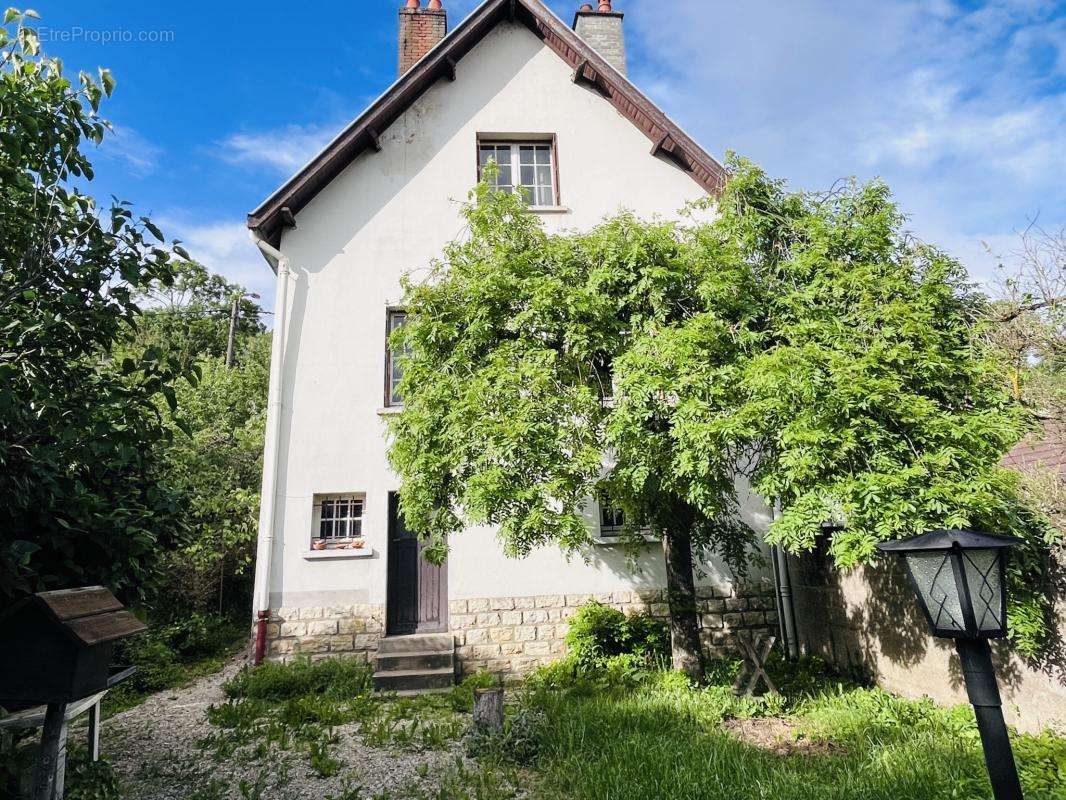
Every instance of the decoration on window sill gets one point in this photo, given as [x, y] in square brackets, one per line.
[318, 544]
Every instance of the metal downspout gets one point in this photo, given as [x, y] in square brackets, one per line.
[268, 501]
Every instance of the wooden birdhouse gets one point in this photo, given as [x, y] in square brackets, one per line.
[56, 647]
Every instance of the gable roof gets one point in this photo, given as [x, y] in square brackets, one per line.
[667, 138]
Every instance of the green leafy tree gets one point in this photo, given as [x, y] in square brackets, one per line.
[79, 496]
[802, 341]
[216, 470]
[189, 316]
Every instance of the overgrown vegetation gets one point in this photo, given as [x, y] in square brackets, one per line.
[173, 655]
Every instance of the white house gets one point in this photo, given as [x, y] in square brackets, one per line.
[337, 572]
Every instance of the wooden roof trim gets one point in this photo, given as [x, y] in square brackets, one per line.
[362, 134]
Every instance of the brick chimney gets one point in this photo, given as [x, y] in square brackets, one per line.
[602, 28]
[420, 30]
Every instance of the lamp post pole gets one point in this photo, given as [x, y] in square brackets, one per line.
[981, 687]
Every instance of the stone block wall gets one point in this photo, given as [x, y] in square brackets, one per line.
[513, 635]
[325, 631]
[509, 635]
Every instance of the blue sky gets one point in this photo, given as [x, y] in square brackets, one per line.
[960, 105]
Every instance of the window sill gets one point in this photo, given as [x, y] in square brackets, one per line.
[549, 209]
[327, 555]
[609, 540]
[389, 411]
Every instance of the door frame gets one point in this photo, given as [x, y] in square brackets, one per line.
[443, 624]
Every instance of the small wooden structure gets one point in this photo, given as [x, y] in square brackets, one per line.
[57, 650]
[753, 669]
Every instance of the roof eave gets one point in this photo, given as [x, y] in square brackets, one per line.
[668, 139]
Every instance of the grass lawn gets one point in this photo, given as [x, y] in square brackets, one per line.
[669, 744]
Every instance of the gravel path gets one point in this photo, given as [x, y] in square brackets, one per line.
[154, 749]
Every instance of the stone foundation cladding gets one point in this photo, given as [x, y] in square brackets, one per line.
[510, 635]
[325, 631]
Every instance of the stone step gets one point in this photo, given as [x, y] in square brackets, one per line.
[417, 643]
[414, 680]
[415, 661]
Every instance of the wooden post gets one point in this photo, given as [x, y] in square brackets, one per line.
[51, 762]
[231, 340]
[94, 732]
[488, 710]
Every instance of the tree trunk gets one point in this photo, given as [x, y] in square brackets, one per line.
[488, 710]
[681, 595]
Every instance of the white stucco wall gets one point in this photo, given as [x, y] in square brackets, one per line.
[390, 213]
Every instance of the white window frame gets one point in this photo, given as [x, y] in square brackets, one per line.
[334, 542]
[516, 143]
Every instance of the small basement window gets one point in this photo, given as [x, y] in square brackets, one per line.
[338, 522]
[527, 168]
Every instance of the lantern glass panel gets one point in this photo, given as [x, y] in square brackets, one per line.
[936, 584]
[986, 589]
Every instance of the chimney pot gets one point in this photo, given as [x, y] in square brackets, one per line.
[435, 5]
[413, 3]
[605, 5]
[586, 8]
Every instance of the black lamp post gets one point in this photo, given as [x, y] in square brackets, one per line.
[959, 579]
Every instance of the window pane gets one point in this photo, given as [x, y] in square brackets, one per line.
[544, 176]
[357, 528]
[544, 155]
[528, 176]
[545, 196]
[395, 358]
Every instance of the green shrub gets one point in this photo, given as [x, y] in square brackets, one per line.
[1042, 762]
[647, 637]
[163, 653]
[598, 632]
[90, 780]
[461, 698]
[338, 678]
[610, 674]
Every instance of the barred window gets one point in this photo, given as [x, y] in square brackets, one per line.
[339, 517]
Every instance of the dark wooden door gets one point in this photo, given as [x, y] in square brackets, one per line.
[417, 591]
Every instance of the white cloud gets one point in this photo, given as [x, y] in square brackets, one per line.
[960, 107]
[128, 146]
[223, 247]
[282, 150]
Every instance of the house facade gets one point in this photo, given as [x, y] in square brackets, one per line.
[337, 571]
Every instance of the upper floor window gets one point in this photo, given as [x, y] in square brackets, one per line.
[393, 359]
[526, 168]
